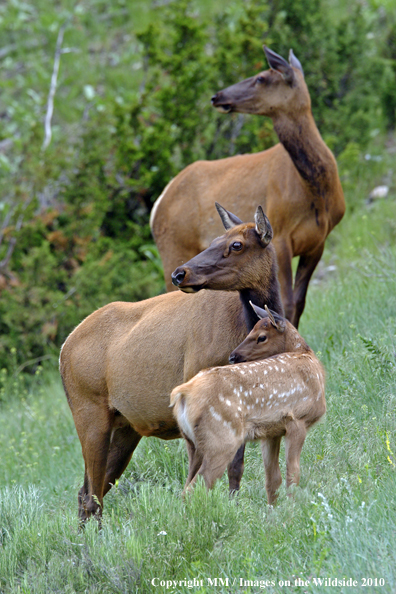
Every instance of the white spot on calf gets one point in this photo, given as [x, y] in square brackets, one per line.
[228, 403]
[214, 414]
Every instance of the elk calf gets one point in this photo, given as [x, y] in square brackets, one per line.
[274, 388]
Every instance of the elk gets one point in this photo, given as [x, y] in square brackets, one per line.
[296, 181]
[121, 363]
[274, 388]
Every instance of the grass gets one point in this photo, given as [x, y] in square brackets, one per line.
[339, 524]
[341, 521]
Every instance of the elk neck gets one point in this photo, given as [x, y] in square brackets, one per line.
[312, 158]
[261, 296]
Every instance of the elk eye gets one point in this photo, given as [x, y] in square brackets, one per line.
[262, 338]
[260, 79]
[237, 245]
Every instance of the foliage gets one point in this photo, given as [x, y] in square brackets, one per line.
[132, 108]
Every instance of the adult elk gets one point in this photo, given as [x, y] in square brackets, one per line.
[296, 181]
[264, 399]
[121, 363]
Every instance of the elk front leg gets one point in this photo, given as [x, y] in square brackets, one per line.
[123, 443]
[273, 479]
[94, 426]
[284, 256]
[294, 441]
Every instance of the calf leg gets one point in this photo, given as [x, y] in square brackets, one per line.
[273, 479]
[194, 464]
[214, 465]
[294, 441]
[235, 470]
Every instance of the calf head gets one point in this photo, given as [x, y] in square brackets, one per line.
[267, 338]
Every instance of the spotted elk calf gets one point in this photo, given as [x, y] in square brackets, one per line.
[274, 388]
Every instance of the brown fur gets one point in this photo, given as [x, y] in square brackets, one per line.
[271, 396]
[296, 181]
[121, 363]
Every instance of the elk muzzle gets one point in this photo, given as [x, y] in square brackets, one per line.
[182, 279]
[219, 103]
[236, 357]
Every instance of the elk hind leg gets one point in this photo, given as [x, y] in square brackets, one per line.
[294, 441]
[214, 465]
[195, 459]
[273, 478]
[305, 269]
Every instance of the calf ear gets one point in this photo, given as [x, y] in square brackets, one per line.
[228, 219]
[260, 312]
[276, 62]
[263, 226]
[277, 321]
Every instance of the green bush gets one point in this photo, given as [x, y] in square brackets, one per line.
[79, 210]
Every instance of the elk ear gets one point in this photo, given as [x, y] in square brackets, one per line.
[228, 219]
[295, 62]
[259, 311]
[278, 323]
[276, 62]
[263, 226]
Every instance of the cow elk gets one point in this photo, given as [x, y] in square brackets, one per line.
[121, 363]
[296, 181]
[274, 388]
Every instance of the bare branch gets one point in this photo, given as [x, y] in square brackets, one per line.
[51, 94]
[11, 245]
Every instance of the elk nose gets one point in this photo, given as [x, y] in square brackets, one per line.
[213, 99]
[233, 358]
[178, 276]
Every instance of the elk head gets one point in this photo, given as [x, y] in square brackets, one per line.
[280, 89]
[238, 260]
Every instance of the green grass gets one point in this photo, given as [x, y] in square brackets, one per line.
[341, 521]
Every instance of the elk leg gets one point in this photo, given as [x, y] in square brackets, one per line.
[284, 256]
[305, 269]
[273, 479]
[294, 441]
[194, 464]
[122, 446]
[94, 425]
[213, 467]
[235, 470]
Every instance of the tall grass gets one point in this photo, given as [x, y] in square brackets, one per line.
[339, 524]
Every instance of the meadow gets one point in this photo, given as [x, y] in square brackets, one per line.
[340, 522]
[114, 147]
